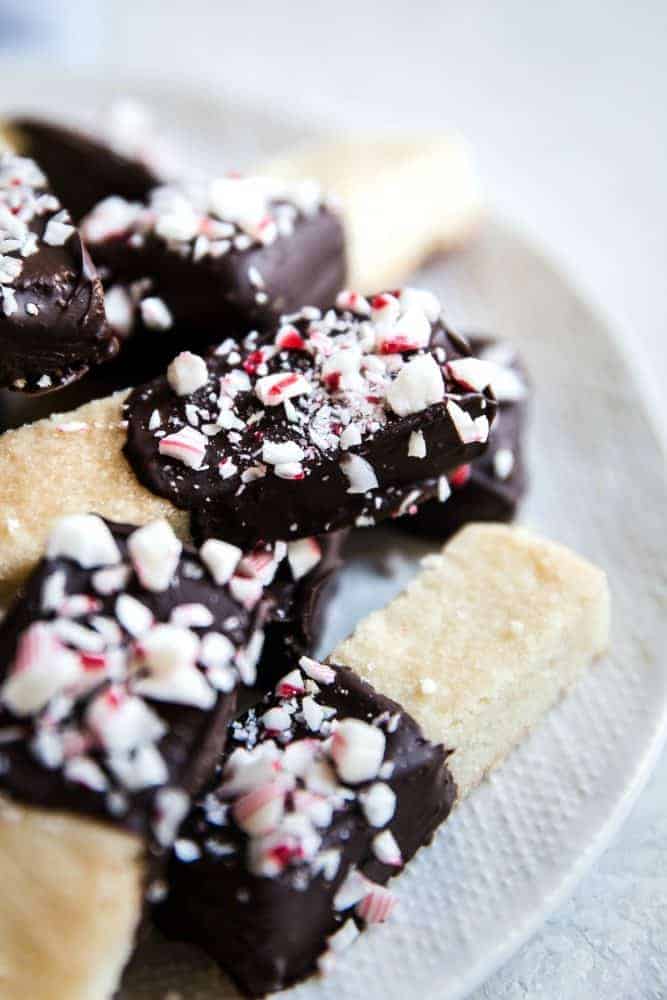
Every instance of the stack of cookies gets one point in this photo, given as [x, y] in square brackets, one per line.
[170, 750]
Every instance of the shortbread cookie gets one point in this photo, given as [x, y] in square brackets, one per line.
[490, 488]
[118, 676]
[331, 422]
[227, 261]
[327, 789]
[69, 464]
[484, 640]
[403, 199]
[82, 169]
[52, 320]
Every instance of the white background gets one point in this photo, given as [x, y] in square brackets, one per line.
[566, 105]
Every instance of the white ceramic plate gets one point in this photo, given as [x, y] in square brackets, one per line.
[517, 847]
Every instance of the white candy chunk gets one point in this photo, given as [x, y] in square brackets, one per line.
[319, 672]
[418, 384]
[313, 713]
[469, 430]
[42, 668]
[386, 849]
[220, 559]
[170, 654]
[53, 591]
[187, 446]
[350, 437]
[378, 803]
[134, 616]
[473, 372]
[276, 720]
[85, 539]
[111, 580]
[357, 750]
[119, 308]
[273, 390]
[145, 768]
[191, 616]
[298, 756]
[57, 232]
[187, 373]
[280, 452]
[444, 489]
[414, 326]
[377, 906]
[155, 314]
[426, 301]
[360, 474]
[171, 808]
[417, 445]
[180, 223]
[353, 889]
[216, 650]
[155, 551]
[84, 771]
[344, 937]
[503, 463]
[507, 385]
[166, 648]
[122, 722]
[303, 556]
[246, 591]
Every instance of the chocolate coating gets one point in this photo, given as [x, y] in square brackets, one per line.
[483, 494]
[297, 620]
[267, 931]
[52, 321]
[214, 297]
[193, 737]
[82, 169]
[273, 507]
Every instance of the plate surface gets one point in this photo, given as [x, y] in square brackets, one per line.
[517, 847]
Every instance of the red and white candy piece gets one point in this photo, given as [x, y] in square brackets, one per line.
[246, 590]
[85, 539]
[377, 906]
[470, 430]
[288, 338]
[187, 373]
[122, 722]
[42, 668]
[291, 684]
[260, 810]
[303, 556]
[280, 452]
[273, 390]
[170, 654]
[473, 373]
[187, 446]
[418, 385]
[353, 302]
[155, 552]
[410, 332]
[357, 749]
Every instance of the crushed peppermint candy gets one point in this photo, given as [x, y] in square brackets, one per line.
[120, 631]
[324, 399]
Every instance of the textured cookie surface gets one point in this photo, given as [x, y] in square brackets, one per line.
[68, 464]
[487, 637]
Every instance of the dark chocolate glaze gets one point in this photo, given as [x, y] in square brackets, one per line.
[82, 169]
[214, 296]
[267, 932]
[297, 619]
[69, 334]
[483, 495]
[274, 508]
[194, 737]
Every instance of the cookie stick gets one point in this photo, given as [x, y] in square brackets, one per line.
[484, 640]
[242, 892]
[305, 827]
[403, 198]
[118, 675]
